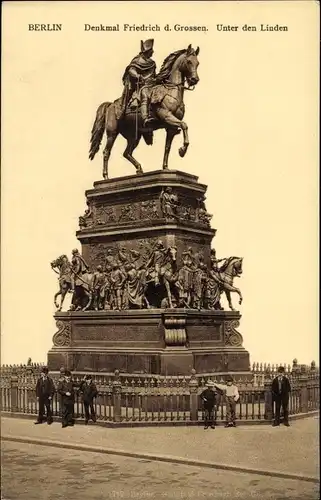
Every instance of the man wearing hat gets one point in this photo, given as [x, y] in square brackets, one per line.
[45, 390]
[89, 392]
[208, 397]
[67, 393]
[140, 72]
[281, 389]
[231, 396]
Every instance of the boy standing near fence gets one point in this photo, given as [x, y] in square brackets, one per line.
[67, 393]
[89, 392]
[208, 397]
[231, 396]
[45, 390]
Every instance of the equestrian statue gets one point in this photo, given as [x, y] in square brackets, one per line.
[150, 101]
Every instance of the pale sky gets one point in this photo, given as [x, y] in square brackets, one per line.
[253, 127]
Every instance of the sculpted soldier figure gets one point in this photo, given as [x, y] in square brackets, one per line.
[169, 203]
[185, 278]
[78, 267]
[155, 260]
[214, 284]
[140, 73]
[110, 259]
[199, 285]
[99, 282]
[117, 279]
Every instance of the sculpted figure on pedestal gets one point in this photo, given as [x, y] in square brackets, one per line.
[99, 288]
[161, 104]
[86, 219]
[81, 282]
[117, 280]
[202, 215]
[199, 286]
[155, 261]
[135, 285]
[169, 203]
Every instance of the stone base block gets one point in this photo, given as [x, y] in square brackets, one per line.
[158, 341]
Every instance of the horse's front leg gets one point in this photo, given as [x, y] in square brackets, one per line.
[132, 144]
[228, 296]
[169, 119]
[55, 299]
[63, 295]
[170, 134]
[88, 294]
[168, 291]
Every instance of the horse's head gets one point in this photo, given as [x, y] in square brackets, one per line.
[62, 259]
[172, 252]
[189, 66]
[237, 266]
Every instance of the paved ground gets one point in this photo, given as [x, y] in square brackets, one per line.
[293, 450]
[42, 473]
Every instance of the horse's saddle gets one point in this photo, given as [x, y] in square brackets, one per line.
[156, 95]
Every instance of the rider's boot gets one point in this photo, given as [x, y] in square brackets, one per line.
[144, 109]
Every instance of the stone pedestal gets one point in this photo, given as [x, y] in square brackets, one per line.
[164, 341]
[127, 215]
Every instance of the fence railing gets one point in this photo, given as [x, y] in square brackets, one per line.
[124, 398]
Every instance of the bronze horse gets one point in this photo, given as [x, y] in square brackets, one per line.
[64, 267]
[167, 102]
[232, 268]
[82, 295]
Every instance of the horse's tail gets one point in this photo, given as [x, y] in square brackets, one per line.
[97, 131]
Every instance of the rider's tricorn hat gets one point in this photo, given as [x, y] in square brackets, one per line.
[147, 45]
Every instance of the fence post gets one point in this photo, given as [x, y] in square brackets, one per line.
[117, 396]
[304, 395]
[193, 394]
[268, 400]
[14, 391]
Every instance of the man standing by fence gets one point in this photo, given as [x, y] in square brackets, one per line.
[67, 393]
[208, 397]
[281, 389]
[89, 392]
[45, 390]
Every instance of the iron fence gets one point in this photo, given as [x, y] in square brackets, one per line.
[144, 399]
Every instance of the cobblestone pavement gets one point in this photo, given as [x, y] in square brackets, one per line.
[291, 450]
[43, 473]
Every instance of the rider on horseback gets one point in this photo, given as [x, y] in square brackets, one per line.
[139, 76]
[78, 266]
[156, 259]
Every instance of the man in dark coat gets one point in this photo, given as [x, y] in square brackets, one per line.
[140, 72]
[67, 393]
[208, 397]
[281, 389]
[89, 392]
[45, 390]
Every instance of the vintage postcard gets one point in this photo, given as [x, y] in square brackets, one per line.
[160, 250]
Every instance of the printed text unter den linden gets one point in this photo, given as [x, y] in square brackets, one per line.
[167, 27]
